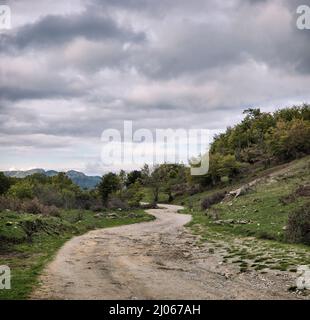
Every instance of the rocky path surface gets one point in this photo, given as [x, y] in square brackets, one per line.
[151, 260]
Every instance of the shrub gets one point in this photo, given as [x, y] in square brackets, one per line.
[96, 206]
[301, 191]
[266, 236]
[84, 200]
[51, 211]
[298, 227]
[194, 189]
[9, 203]
[30, 227]
[213, 199]
[117, 203]
[32, 206]
[48, 195]
[3, 203]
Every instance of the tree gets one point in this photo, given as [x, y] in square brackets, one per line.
[132, 177]
[252, 113]
[22, 190]
[38, 178]
[152, 179]
[61, 180]
[122, 179]
[289, 140]
[68, 198]
[145, 174]
[163, 178]
[109, 183]
[171, 176]
[133, 195]
[5, 183]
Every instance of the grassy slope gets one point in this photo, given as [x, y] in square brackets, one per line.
[27, 255]
[246, 244]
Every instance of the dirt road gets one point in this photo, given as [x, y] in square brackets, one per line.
[151, 260]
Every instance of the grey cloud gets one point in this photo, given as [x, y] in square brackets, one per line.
[52, 31]
[261, 30]
[20, 93]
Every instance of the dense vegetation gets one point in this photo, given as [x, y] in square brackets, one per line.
[261, 140]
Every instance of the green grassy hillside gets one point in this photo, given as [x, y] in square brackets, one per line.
[252, 227]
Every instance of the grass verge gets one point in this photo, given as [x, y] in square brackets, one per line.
[28, 242]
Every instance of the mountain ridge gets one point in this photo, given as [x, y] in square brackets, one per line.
[81, 179]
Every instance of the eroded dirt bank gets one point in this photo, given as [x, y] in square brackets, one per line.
[152, 260]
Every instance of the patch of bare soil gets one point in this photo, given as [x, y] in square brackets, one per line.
[152, 260]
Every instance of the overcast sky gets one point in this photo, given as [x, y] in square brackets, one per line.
[70, 69]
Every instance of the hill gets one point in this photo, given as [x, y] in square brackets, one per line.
[253, 229]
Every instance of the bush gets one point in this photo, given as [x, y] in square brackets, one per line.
[48, 195]
[84, 200]
[194, 189]
[96, 206]
[298, 227]
[32, 206]
[212, 199]
[9, 203]
[117, 203]
[31, 227]
[301, 191]
[3, 203]
[51, 211]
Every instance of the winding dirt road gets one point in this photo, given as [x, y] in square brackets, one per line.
[151, 260]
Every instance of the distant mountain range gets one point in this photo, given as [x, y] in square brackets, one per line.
[79, 178]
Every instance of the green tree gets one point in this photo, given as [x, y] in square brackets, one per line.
[109, 183]
[133, 176]
[133, 195]
[289, 140]
[5, 183]
[61, 181]
[22, 190]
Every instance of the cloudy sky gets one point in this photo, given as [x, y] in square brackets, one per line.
[70, 69]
